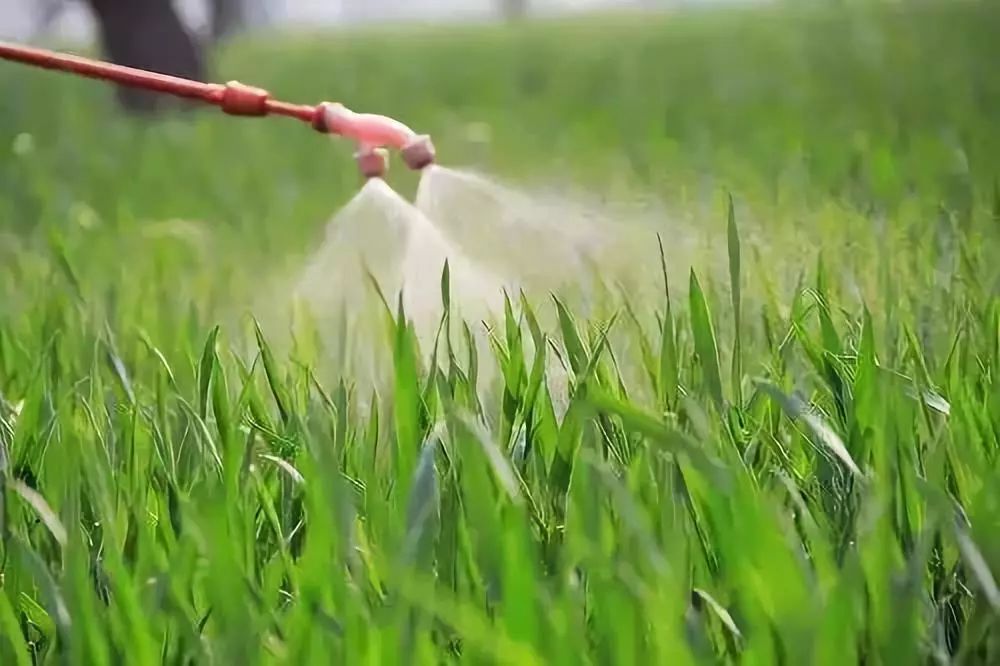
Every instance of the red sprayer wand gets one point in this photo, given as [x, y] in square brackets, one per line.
[371, 132]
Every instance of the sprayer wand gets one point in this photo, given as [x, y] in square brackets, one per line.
[371, 132]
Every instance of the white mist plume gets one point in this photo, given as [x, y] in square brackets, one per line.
[495, 239]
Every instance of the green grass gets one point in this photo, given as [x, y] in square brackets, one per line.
[800, 468]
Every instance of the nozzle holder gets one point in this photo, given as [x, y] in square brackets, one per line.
[371, 131]
[373, 163]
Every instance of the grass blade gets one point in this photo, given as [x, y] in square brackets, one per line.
[10, 633]
[669, 376]
[734, 284]
[206, 368]
[705, 343]
[980, 569]
[798, 410]
[423, 508]
[42, 508]
[271, 372]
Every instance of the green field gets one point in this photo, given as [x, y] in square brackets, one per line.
[788, 455]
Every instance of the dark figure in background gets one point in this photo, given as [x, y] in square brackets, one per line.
[227, 16]
[147, 34]
[514, 10]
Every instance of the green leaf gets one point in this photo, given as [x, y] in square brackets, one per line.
[734, 282]
[10, 633]
[500, 465]
[423, 508]
[446, 287]
[159, 357]
[406, 397]
[273, 377]
[571, 338]
[980, 569]
[674, 442]
[798, 410]
[55, 605]
[118, 367]
[704, 342]
[668, 382]
[720, 612]
[65, 267]
[220, 403]
[42, 508]
[206, 369]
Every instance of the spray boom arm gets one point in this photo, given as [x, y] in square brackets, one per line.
[371, 132]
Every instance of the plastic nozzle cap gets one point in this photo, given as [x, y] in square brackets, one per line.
[374, 163]
[419, 152]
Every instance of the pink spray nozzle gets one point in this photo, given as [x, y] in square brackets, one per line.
[419, 152]
[372, 131]
[373, 163]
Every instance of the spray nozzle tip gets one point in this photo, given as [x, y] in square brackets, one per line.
[418, 152]
[373, 163]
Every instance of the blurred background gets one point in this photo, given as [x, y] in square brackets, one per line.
[825, 120]
[72, 20]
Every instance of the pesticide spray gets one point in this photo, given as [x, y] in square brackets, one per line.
[380, 250]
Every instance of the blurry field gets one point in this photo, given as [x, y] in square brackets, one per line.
[795, 459]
